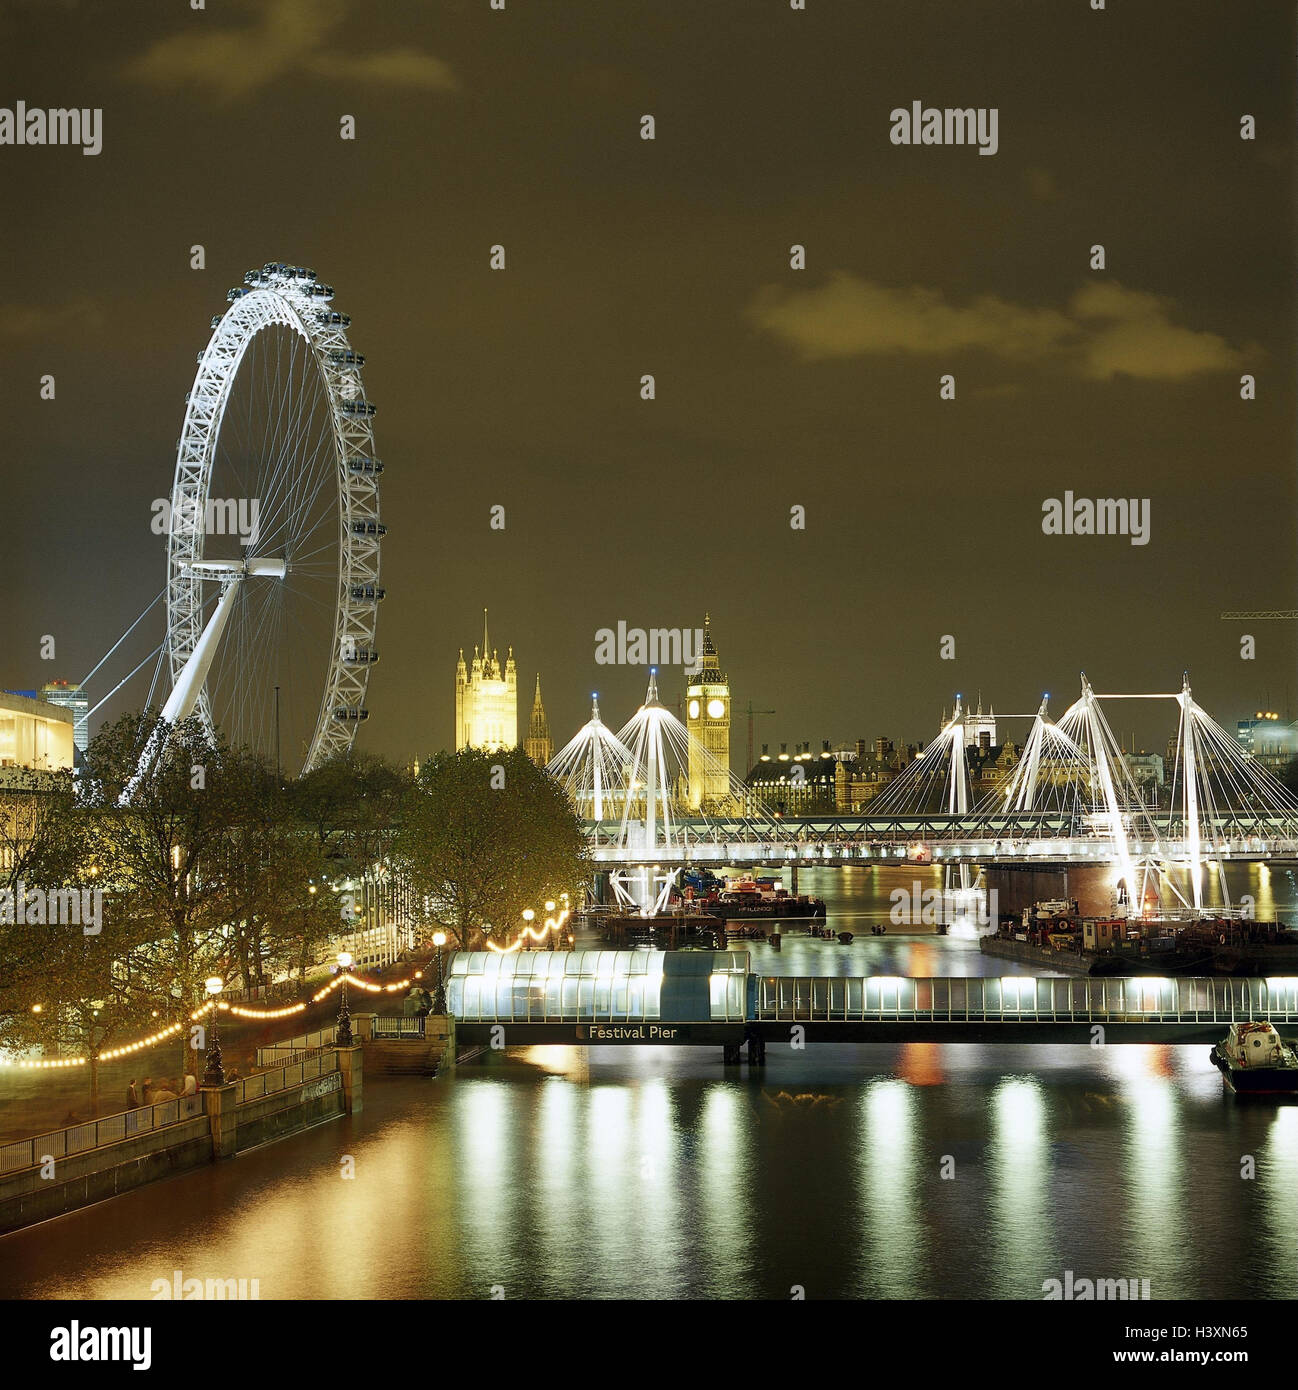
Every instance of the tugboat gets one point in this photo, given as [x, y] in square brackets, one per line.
[1255, 1061]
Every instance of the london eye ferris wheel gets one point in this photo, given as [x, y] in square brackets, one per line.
[272, 588]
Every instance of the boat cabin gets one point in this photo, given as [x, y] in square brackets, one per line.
[1254, 1045]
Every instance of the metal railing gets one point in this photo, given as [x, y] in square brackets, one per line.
[398, 1028]
[292, 1048]
[1025, 999]
[96, 1134]
[265, 1083]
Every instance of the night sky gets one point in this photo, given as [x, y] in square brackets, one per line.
[775, 387]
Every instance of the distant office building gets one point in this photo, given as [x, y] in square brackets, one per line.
[980, 728]
[35, 734]
[486, 699]
[860, 774]
[991, 765]
[71, 697]
[1147, 773]
[539, 746]
[1268, 741]
[1247, 730]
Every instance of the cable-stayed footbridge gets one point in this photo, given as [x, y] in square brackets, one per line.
[1069, 798]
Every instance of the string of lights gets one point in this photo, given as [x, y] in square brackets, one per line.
[40, 1064]
[552, 924]
[236, 1010]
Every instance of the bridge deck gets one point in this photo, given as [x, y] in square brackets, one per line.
[1010, 838]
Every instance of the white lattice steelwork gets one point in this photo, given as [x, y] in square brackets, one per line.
[655, 812]
[938, 780]
[305, 453]
[593, 767]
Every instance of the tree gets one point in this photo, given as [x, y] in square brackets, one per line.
[37, 833]
[75, 969]
[273, 872]
[161, 850]
[484, 836]
[77, 994]
[354, 805]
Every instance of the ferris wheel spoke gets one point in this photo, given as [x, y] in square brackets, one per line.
[302, 560]
[291, 509]
[275, 462]
[300, 468]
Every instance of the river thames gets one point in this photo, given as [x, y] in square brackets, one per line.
[915, 1171]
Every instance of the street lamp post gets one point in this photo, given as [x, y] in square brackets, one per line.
[213, 1074]
[439, 986]
[343, 1037]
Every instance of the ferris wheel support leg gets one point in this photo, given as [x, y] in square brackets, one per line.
[189, 684]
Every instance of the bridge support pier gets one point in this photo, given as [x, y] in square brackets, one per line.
[756, 1050]
[730, 1054]
[1019, 887]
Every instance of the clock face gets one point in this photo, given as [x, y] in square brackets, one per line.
[694, 709]
[716, 708]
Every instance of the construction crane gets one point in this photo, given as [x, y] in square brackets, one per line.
[752, 713]
[1262, 615]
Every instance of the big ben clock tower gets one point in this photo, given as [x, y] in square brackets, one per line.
[708, 720]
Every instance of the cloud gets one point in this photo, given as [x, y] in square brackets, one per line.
[1106, 329]
[286, 37]
[23, 321]
[1129, 332]
[397, 67]
[850, 316]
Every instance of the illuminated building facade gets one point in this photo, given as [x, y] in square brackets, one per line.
[708, 721]
[486, 699]
[538, 745]
[35, 734]
[1269, 740]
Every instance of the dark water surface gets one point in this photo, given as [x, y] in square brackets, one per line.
[560, 1173]
[918, 1171]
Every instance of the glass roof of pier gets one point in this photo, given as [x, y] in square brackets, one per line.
[680, 986]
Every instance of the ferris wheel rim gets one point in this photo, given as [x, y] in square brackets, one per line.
[290, 298]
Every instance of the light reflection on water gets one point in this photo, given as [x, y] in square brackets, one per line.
[870, 1171]
[923, 1170]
